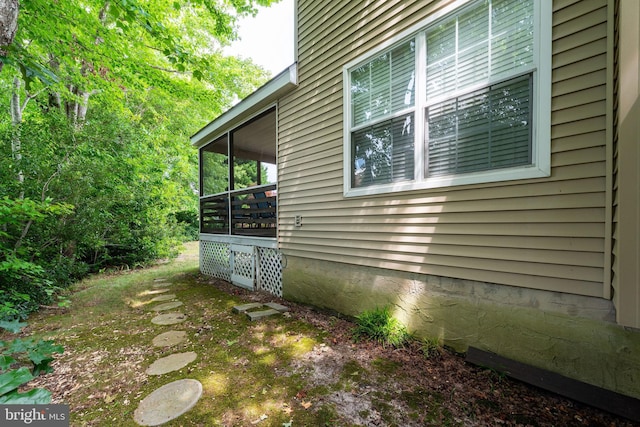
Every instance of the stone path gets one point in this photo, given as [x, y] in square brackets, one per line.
[175, 398]
[170, 338]
[172, 362]
[256, 310]
[169, 319]
[168, 402]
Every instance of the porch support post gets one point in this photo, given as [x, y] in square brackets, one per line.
[232, 161]
[232, 184]
[259, 172]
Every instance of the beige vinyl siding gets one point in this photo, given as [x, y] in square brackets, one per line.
[541, 233]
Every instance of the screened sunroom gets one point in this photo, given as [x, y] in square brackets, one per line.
[238, 190]
[238, 180]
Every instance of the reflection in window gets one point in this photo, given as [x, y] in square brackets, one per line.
[469, 79]
[383, 86]
[383, 153]
[481, 130]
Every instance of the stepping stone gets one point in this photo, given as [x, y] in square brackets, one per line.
[161, 284]
[167, 297]
[171, 363]
[170, 338]
[255, 315]
[169, 319]
[167, 306]
[168, 402]
[245, 307]
[274, 305]
[272, 308]
[156, 291]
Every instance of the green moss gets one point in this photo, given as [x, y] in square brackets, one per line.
[319, 391]
[419, 398]
[562, 333]
[326, 416]
[108, 332]
[385, 366]
[380, 404]
[352, 370]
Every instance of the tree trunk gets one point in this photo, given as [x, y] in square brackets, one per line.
[16, 121]
[71, 106]
[55, 100]
[84, 105]
[8, 25]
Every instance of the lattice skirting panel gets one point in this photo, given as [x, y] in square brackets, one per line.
[269, 268]
[219, 259]
[215, 259]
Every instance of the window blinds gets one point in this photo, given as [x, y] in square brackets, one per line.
[472, 124]
[384, 85]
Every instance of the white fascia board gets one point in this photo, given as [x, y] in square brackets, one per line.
[266, 94]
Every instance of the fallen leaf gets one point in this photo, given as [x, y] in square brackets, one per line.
[305, 405]
[262, 418]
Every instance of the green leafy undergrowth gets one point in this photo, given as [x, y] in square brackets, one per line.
[431, 347]
[24, 284]
[21, 360]
[380, 326]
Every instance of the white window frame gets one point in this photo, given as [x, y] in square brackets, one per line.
[541, 126]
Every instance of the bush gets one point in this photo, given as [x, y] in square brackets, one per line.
[24, 284]
[189, 225]
[380, 326]
[21, 360]
[64, 271]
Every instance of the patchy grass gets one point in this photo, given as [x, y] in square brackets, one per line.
[431, 347]
[300, 369]
[380, 326]
[107, 335]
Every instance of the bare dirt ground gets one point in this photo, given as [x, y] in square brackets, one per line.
[465, 394]
[357, 384]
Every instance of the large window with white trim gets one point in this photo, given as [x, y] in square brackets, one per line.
[462, 98]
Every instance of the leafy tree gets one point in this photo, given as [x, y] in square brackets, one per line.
[98, 99]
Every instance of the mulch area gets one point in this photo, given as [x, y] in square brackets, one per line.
[469, 394]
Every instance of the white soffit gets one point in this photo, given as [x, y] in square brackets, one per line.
[284, 82]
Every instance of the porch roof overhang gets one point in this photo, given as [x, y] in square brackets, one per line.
[246, 109]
